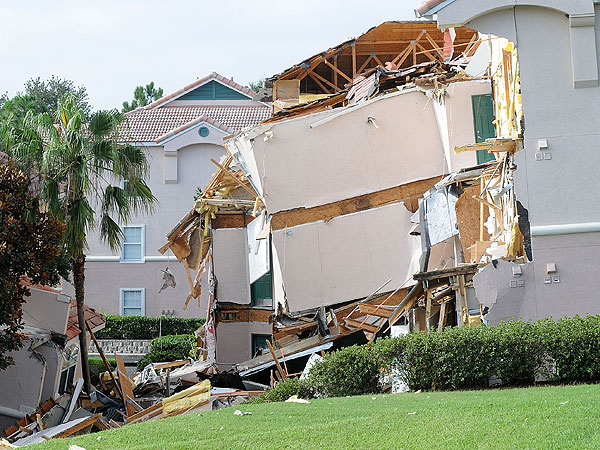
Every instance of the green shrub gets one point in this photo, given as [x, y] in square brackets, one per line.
[97, 367]
[515, 351]
[142, 327]
[168, 348]
[574, 346]
[349, 371]
[285, 389]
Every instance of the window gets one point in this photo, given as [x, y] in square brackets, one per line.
[259, 344]
[133, 302]
[133, 244]
[261, 291]
[70, 357]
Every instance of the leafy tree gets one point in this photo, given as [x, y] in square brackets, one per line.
[17, 106]
[30, 243]
[47, 94]
[42, 97]
[257, 85]
[82, 164]
[143, 96]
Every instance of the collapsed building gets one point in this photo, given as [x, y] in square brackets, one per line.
[48, 364]
[312, 229]
[546, 119]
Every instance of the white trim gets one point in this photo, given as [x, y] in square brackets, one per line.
[142, 290]
[191, 128]
[143, 244]
[569, 228]
[115, 258]
[109, 258]
[200, 85]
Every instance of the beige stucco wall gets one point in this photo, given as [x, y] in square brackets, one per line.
[104, 278]
[349, 257]
[304, 166]
[553, 56]
[230, 256]
[46, 310]
[234, 341]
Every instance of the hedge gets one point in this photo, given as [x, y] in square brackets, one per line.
[513, 353]
[142, 327]
[169, 348]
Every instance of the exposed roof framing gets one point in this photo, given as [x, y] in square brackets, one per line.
[403, 43]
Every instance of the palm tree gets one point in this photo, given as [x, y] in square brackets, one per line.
[82, 165]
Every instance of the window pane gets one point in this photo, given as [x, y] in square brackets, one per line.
[132, 299]
[132, 312]
[132, 252]
[133, 235]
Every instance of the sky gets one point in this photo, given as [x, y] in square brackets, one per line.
[112, 46]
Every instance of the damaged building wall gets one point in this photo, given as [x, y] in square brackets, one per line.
[234, 341]
[347, 257]
[371, 147]
[558, 167]
[230, 256]
[46, 310]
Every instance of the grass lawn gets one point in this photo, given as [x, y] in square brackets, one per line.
[537, 418]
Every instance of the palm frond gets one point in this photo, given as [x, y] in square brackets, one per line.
[111, 232]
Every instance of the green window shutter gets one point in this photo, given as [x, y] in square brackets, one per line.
[483, 121]
[213, 91]
[261, 291]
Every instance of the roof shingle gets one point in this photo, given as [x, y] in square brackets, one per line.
[148, 125]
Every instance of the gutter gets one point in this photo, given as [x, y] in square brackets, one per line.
[569, 228]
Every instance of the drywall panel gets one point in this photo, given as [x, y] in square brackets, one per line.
[230, 250]
[346, 258]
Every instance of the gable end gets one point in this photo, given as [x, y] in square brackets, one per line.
[213, 91]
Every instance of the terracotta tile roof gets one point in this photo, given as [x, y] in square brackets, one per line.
[94, 318]
[244, 89]
[26, 281]
[148, 125]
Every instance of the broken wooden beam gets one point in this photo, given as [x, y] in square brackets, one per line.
[360, 325]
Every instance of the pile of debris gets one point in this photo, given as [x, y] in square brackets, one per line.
[159, 390]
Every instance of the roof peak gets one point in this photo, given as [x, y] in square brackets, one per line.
[198, 82]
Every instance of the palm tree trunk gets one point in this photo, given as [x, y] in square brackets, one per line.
[78, 265]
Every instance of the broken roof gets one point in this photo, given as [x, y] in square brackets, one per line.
[95, 319]
[404, 43]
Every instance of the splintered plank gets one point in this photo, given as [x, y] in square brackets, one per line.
[125, 385]
[375, 310]
[104, 360]
[363, 326]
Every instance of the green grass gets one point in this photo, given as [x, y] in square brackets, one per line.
[532, 418]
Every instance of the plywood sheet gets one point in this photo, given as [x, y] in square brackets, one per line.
[468, 218]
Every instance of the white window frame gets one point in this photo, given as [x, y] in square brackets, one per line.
[121, 306]
[143, 250]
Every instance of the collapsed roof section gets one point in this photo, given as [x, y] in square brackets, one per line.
[403, 44]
